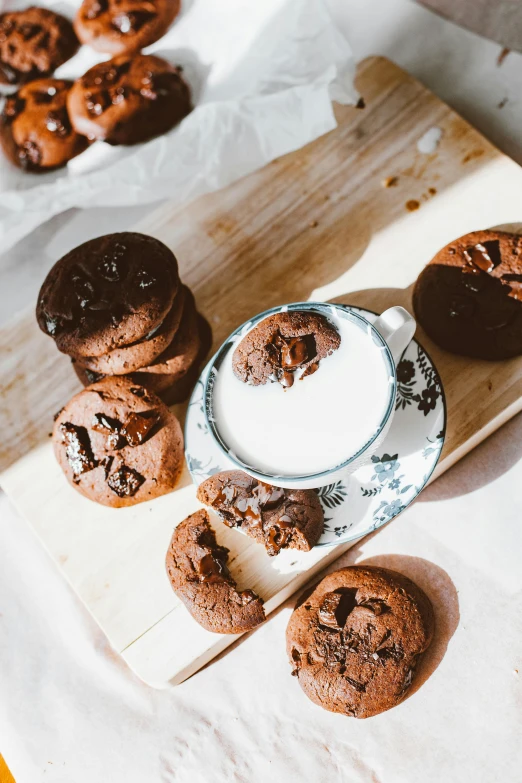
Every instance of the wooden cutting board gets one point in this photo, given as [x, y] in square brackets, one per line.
[353, 216]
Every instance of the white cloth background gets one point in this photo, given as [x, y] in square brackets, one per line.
[71, 712]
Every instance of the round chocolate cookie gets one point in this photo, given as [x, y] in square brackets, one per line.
[275, 517]
[129, 358]
[468, 298]
[171, 388]
[197, 569]
[128, 100]
[109, 292]
[282, 344]
[33, 44]
[354, 640]
[118, 444]
[35, 132]
[123, 26]
[184, 348]
[182, 387]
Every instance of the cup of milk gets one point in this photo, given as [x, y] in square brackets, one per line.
[326, 425]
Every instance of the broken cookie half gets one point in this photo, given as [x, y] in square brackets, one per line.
[275, 517]
[197, 569]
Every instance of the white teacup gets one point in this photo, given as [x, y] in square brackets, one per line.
[374, 349]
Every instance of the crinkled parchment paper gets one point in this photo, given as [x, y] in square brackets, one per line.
[263, 75]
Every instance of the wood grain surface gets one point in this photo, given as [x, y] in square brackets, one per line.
[352, 217]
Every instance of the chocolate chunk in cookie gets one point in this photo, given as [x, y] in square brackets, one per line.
[354, 641]
[118, 444]
[468, 298]
[129, 358]
[284, 346]
[35, 131]
[124, 26]
[33, 44]
[107, 293]
[197, 569]
[128, 100]
[275, 517]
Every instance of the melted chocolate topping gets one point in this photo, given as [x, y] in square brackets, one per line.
[211, 569]
[252, 510]
[291, 353]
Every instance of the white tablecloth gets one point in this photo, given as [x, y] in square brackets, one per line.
[70, 711]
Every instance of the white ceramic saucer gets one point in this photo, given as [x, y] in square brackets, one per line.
[377, 492]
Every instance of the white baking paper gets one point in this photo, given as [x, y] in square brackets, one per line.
[263, 75]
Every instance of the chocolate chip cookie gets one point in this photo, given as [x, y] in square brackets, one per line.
[128, 100]
[275, 517]
[109, 292]
[118, 444]
[282, 345]
[33, 44]
[184, 348]
[129, 358]
[35, 131]
[123, 26]
[172, 388]
[355, 640]
[180, 389]
[197, 569]
[468, 298]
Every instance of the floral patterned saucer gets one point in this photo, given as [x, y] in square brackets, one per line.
[377, 492]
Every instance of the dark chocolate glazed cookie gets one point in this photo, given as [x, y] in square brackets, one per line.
[111, 291]
[275, 517]
[197, 569]
[33, 44]
[354, 641]
[468, 298]
[118, 444]
[123, 26]
[128, 100]
[35, 131]
[282, 344]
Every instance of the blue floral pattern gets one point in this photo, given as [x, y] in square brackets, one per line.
[408, 375]
[380, 490]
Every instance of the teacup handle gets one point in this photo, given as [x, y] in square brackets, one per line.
[397, 327]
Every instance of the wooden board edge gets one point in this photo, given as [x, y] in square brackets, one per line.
[133, 650]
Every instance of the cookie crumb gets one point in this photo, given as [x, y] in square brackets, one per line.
[390, 182]
[502, 56]
[412, 205]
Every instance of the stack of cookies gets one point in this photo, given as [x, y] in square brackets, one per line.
[126, 100]
[116, 306]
